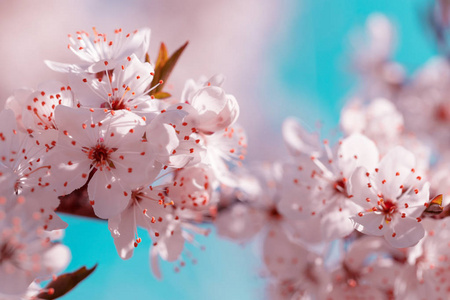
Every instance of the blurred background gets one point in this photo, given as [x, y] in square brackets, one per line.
[280, 58]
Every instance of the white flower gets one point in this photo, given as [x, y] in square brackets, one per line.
[428, 268]
[26, 250]
[392, 197]
[214, 110]
[193, 188]
[317, 188]
[147, 209]
[111, 143]
[98, 51]
[126, 87]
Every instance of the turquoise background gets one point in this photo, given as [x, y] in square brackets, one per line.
[310, 67]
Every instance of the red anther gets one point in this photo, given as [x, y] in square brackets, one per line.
[360, 214]
[397, 174]
[380, 227]
[51, 291]
[161, 82]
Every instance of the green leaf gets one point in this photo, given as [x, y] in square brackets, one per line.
[64, 283]
[162, 95]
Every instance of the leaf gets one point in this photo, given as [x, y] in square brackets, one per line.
[64, 283]
[162, 95]
[162, 57]
[164, 67]
[435, 206]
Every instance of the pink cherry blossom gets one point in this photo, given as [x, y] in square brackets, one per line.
[109, 143]
[97, 49]
[392, 198]
[317, 190]
[26, 251]
[125, 87]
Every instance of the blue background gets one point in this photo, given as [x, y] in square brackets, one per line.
[310, 64]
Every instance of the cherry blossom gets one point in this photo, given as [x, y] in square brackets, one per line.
[109, 143]
[317, 189]
[97, 50]
[26, 250]
[393, 199]
[126, 87]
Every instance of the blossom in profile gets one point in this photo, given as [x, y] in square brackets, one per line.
[97, 48]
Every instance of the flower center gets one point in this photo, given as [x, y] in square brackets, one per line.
[6, 252]
[118, 104]
[340, 186]
[274, 214]
[388, 208]
[100, 156]
[442, 113]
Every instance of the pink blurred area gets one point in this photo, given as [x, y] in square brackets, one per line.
[226, 36]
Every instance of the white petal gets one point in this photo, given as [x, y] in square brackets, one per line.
[395, 167]
[122, 229]
[408, 232]
[357, 150]
[298, 140]
[109, 197]
[369, 223]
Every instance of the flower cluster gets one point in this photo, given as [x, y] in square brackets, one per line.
[142, 158]
[363, 217]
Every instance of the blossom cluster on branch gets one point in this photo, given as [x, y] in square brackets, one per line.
[362, 218]
[112, 133]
